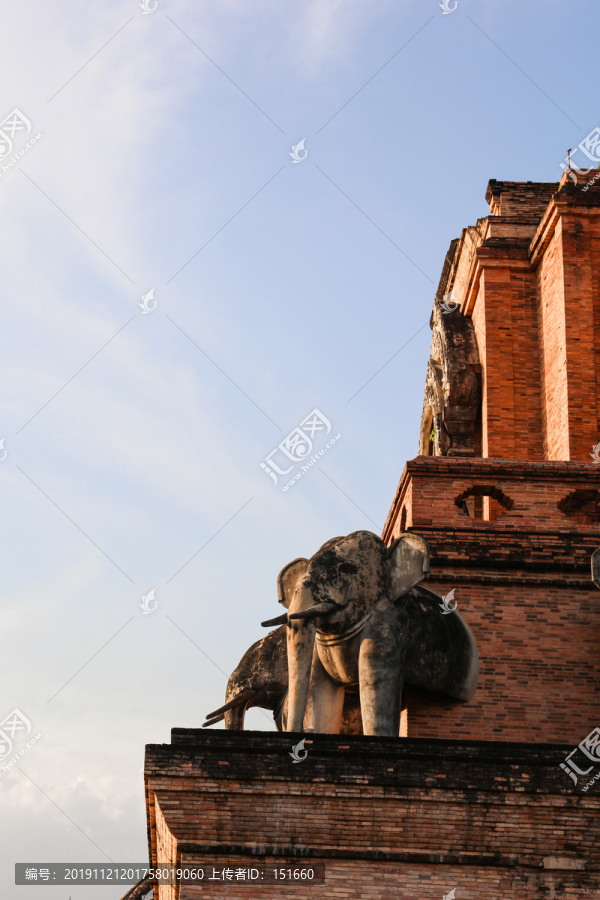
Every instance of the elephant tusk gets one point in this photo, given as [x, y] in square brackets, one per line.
[319, 609]
[280, 620]
[239, 698]
[213, 721]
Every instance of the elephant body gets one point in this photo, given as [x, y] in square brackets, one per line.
[358, 627]
[441, 654]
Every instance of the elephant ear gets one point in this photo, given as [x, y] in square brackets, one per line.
[407, 561]
[288, 578]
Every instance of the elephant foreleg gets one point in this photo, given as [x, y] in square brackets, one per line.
[326, 701]
[380, 685]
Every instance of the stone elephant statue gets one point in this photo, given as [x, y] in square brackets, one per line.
[261, 679]
[358, 626]
[357, 617]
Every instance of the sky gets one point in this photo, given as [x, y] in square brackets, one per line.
[181, 291]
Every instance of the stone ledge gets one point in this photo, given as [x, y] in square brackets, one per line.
[398, 763]
[197, 848]
[506, 469]
[278, 852]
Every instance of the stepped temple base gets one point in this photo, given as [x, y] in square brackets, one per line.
[406, 818]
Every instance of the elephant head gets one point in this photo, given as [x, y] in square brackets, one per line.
[334, 593]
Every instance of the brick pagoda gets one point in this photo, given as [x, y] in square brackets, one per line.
[507, 494]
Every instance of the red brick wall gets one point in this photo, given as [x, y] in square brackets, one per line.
[532, 288]
[480, 326]
[581, 315]
[505, 321]
[595, 291]
[539, 665]
[555, 407]
[523, 584]
[386, 818]
[520, 199]
[531, 283]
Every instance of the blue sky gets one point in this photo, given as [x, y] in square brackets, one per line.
[134, 440]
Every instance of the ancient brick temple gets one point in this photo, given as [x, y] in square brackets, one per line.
[506, 491]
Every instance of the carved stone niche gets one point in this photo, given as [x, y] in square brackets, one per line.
[452, 402]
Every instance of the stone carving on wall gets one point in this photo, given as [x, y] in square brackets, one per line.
[358, 626]
[452, 399]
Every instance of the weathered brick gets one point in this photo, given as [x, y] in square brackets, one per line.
[387, 818]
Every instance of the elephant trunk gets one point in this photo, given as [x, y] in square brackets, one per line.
[300, 647]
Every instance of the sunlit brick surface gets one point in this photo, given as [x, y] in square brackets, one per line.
[523, 584]
[529, 277]
[408, 819]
